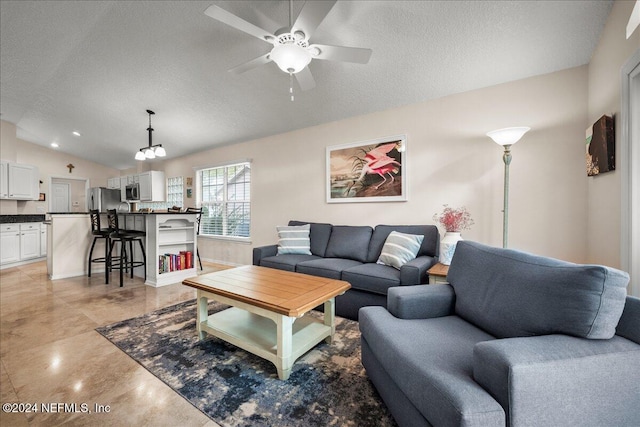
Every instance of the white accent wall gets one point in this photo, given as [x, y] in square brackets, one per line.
[449, 161]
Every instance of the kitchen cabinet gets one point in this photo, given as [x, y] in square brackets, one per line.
[29, 240]
[9, 243]
[4, 179]
[43, 240]
[113, 182]
[152, 186]
[19, 181]
[22, 242]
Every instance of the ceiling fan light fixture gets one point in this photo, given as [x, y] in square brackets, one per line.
[290, 57]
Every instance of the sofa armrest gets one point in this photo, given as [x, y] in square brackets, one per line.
[420, 301]
[415, 271]
[263, 252]
[629, 324]
[561, 380]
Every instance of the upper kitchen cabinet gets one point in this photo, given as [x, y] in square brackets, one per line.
[19, 181]
[113, 182]
[4, 179]
[152, 186]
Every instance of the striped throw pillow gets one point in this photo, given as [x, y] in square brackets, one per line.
[294, 239]
[399, 249]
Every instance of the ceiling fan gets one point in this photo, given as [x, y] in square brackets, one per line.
[291, 50]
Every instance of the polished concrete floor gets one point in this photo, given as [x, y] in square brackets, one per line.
[51, 354]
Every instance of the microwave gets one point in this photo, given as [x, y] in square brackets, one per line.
[132, 192]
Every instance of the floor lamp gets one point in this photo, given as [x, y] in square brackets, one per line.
[506, 137]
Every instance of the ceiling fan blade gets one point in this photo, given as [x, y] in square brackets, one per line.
[261, 60]
[342, 53]
[305, 79]
[238, 23]
[311, 15]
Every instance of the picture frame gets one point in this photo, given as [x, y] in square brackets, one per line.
[367, 171]
[42, 197]
[601, 147]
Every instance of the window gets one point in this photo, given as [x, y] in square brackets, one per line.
[224, 193]
[174, 192]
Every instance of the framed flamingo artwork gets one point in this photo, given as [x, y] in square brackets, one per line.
[368, 171]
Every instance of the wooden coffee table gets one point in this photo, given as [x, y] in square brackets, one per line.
[267, 313]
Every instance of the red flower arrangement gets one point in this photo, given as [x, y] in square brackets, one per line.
[454, 220]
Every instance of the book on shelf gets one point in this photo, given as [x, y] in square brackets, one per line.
[175, 262]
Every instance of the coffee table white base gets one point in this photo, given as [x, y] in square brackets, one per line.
[275, 337]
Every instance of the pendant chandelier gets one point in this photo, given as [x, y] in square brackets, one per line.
[152, 151]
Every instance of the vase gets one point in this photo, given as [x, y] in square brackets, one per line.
[448, 246]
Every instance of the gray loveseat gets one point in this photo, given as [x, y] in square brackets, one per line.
[350, 253]
[514, 340]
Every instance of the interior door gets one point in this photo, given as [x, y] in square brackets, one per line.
[60, 196]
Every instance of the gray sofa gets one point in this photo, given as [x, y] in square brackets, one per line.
[350, 253]
[515, 339]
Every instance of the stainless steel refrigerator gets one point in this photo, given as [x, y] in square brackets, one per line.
[102, 198]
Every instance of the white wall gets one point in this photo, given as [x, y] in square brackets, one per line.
[604, 200]
[449, 160]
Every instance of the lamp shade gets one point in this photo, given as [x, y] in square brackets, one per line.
[508, 136]
[140, 155]
[290, 57]
[160, 151]
[149, 154]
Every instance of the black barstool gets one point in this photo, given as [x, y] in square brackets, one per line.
[198, 217]
[123, 237]
[99, 233]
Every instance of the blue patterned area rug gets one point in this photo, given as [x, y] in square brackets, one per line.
[327, 387]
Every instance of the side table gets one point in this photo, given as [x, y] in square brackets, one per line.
[438, 274]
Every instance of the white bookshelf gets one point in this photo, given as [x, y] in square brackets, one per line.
[170, 234]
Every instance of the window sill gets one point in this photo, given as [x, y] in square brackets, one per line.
[244, 240]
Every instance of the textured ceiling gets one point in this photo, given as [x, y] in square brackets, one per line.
[96, 66]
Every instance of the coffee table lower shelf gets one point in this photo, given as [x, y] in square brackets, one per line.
[275, 337]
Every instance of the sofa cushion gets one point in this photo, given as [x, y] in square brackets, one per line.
[399, 248]
[431, 361]
[371, 277]
[326, 267]
[294, 239]
[349, 242]
[318, 236]
[286, 262]
[429, 246]
[509, 293]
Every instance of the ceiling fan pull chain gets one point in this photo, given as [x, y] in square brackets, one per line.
[291, 86]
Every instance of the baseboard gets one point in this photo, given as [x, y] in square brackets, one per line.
[19, 263]
[217, 261]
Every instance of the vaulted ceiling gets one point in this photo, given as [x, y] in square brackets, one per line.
[95, 67]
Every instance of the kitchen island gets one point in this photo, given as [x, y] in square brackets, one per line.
[170, 236]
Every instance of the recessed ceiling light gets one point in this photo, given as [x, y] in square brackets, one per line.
[76, 133]
[54, 145]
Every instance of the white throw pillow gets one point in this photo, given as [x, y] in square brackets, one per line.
[399, 249]
[294, 239]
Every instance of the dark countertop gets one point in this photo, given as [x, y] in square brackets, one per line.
[14, 219]
[67, 213]
[104, 213]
